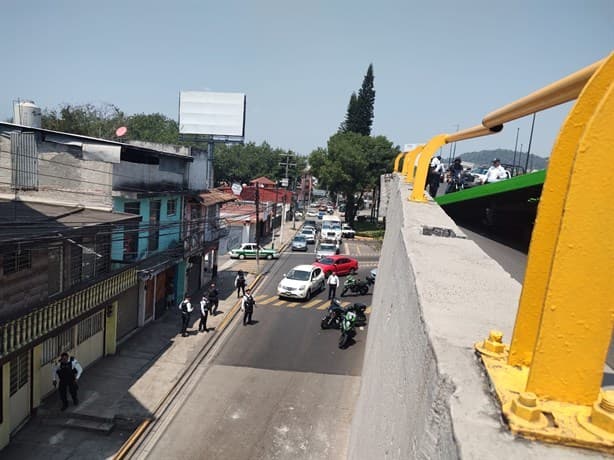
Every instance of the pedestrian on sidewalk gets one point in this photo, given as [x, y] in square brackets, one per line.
[67, 370]
[240, 283]
[333, 282]
[186, 311]
[214, 298]
[247, 305]
[204, 313]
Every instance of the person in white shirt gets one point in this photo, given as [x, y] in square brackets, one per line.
[495, 173]
[433, 178]
[67, 370]
[333, 282]
[186, 311]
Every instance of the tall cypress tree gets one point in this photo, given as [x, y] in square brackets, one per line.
[359, 115]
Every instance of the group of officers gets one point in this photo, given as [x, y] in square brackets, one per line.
[454, 174]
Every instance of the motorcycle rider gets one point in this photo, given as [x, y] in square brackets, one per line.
[455, 172]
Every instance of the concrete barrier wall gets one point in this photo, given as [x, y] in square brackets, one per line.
[424, 394]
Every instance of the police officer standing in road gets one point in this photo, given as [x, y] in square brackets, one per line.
[67, 371]
[186, 311]
[247, 305]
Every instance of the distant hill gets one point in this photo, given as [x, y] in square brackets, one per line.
[485, 157]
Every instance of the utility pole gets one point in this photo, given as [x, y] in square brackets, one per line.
[526, 167]
[515, 149]
[283, 219]
[257, 228]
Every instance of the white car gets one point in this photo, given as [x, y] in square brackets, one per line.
[347, 231]
[301, 282]
[309, 234]
[327, 249]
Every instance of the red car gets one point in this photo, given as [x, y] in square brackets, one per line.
[340, 264]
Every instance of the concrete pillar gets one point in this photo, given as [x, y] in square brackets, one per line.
[5, 424]
[36, 375]
[110, 330]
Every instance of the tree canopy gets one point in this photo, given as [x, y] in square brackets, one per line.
[241, 163]
[360, 111]
[233, 163]
[351, 164]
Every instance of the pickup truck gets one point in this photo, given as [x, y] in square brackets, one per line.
[347, 231]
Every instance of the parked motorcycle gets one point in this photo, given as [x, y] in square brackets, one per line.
[355, 285]
[347, 329]
[334, 315]
[336, 312]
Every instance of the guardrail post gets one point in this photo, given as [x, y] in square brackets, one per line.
[578, 312]
[424, 160]
[408, 164]
[550, 215]
[397, 160]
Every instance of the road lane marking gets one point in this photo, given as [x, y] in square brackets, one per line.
[312, 303]
[324, 306]
[279, 303]
[368, 311]
[269, 300]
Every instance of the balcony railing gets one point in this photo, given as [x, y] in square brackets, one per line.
[17, 334]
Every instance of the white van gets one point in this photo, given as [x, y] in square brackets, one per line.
[331, 229]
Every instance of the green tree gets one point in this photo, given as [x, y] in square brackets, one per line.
[153, 127]
[352, 164]
[360, 112]
[87, 120]
[242, 163]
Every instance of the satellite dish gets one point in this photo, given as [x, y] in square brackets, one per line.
[236, 189]
[121, 131]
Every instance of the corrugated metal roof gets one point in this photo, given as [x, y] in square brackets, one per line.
[21, 220]
[214, 196]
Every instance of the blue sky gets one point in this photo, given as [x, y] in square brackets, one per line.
[437, 64]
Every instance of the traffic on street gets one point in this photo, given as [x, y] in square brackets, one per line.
[280, 386]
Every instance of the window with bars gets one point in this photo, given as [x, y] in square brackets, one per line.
[90, 327]
[20, 372]
[154, 225]
[55, 346]
[171, 207]
[16, 261]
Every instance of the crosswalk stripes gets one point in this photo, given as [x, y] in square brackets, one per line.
[317, 304]
[312, 303]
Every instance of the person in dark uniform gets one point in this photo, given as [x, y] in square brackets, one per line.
[67, 371]
[186, 311]
[214, 298]
[247, 305]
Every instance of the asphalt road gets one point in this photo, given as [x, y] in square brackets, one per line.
[280, 388]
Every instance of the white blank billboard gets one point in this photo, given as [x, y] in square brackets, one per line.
[211, 114]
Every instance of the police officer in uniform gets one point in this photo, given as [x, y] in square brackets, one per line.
[67, 371]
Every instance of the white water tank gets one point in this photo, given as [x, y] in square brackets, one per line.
[27, 113]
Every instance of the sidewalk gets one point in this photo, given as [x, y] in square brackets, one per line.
[120, 391]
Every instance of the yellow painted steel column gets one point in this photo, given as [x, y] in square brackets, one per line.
[410, 159]
[578, 313]
[5, 425]
[417, 194]
[549, 217]
[397, 160]
[111, 329]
